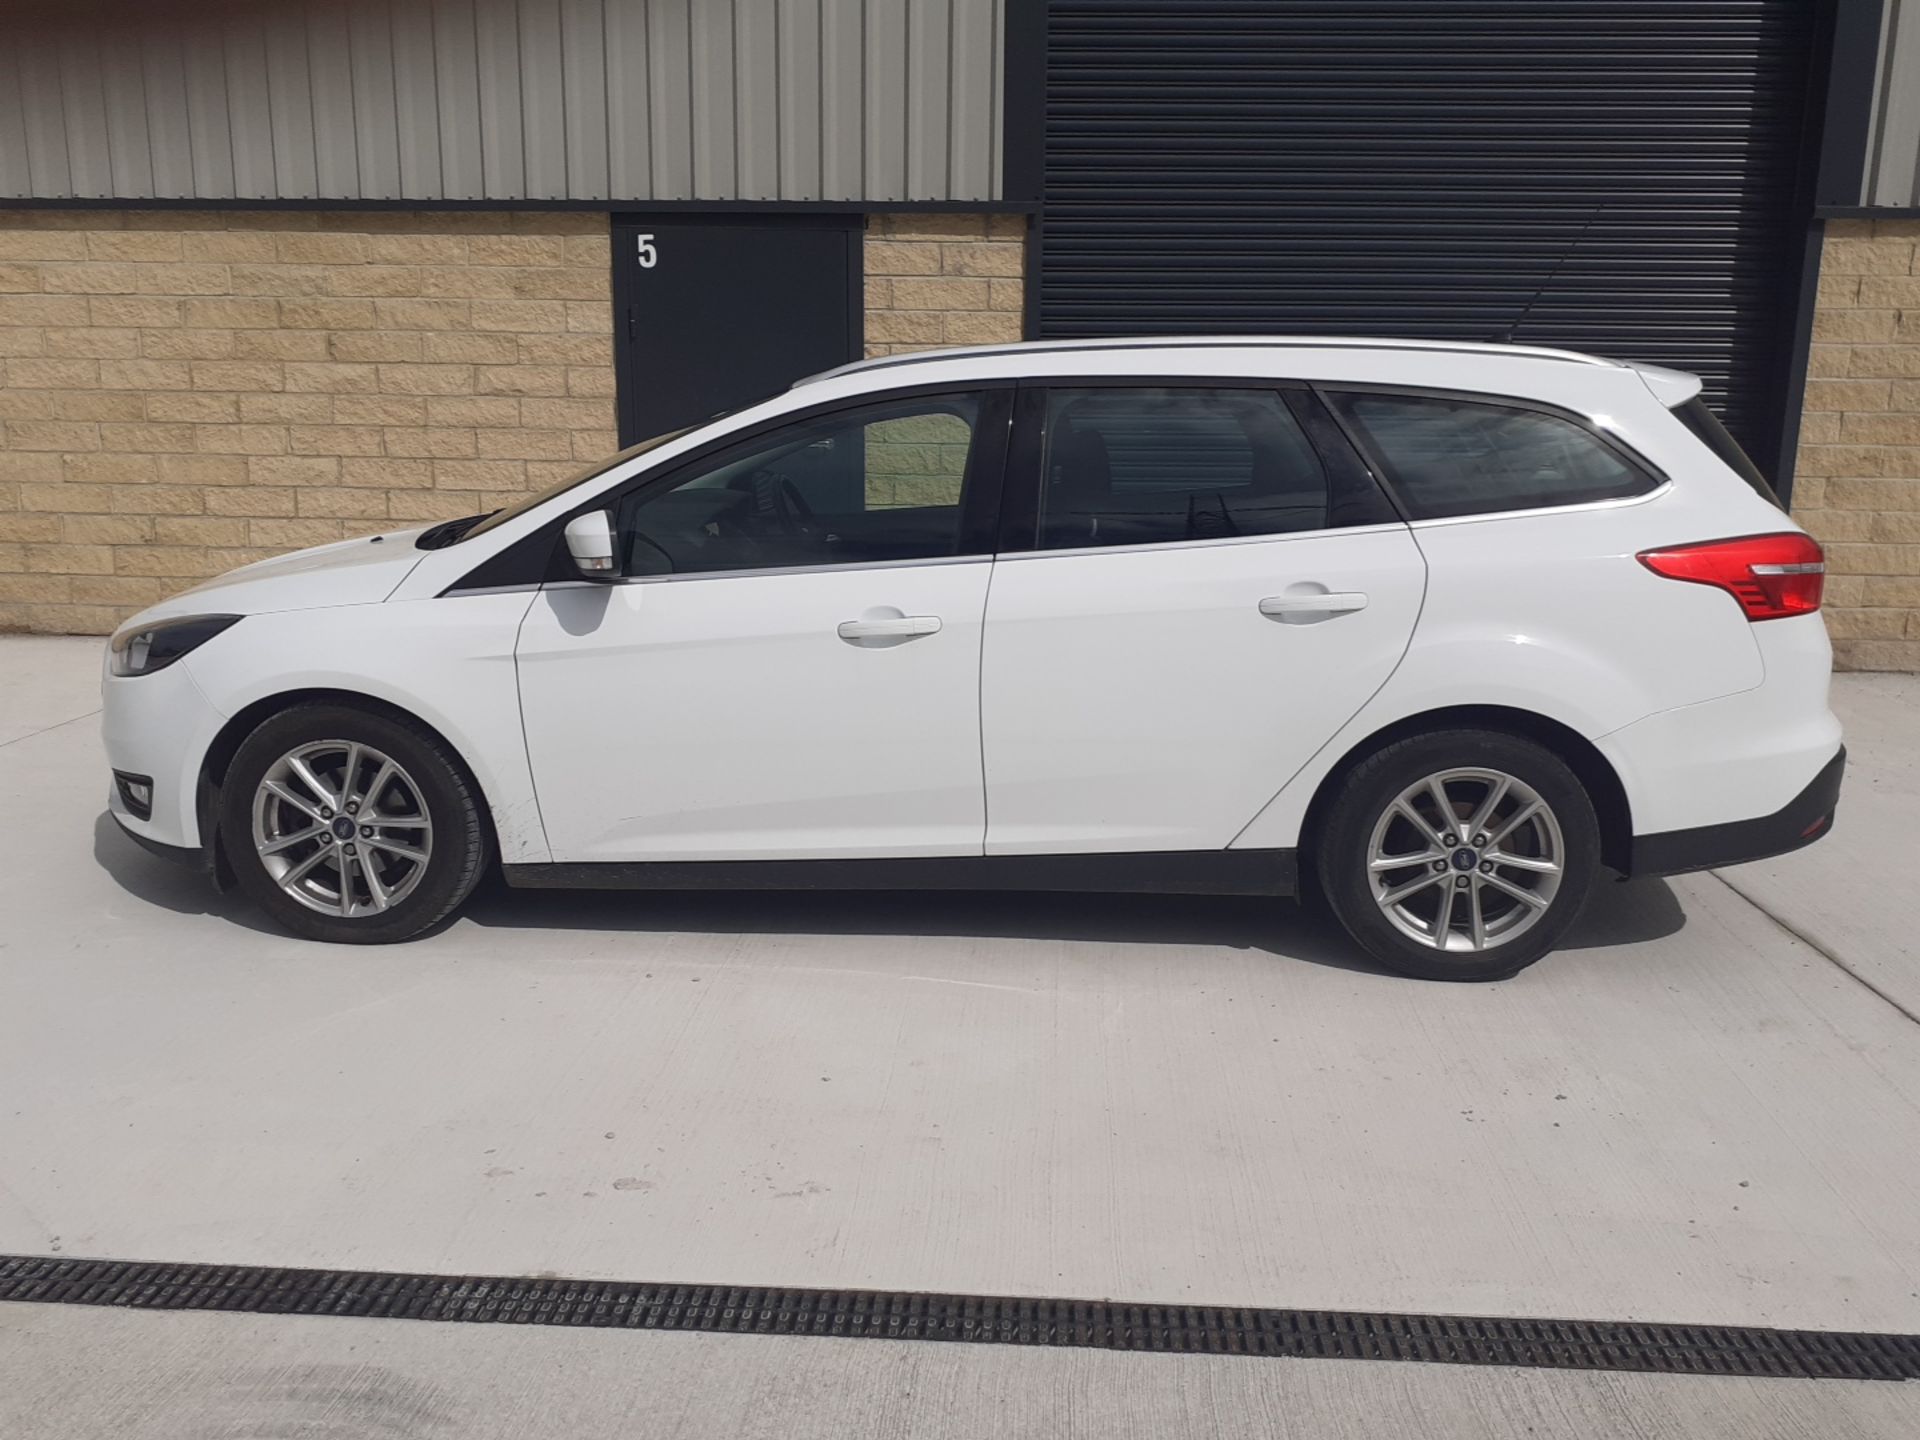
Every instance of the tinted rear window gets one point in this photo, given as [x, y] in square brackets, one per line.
[1711, 433]
[1468, 457]
[1153, 465]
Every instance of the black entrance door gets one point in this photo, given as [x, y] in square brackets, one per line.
[710, 314]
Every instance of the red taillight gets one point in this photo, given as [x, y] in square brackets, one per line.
[1772, 576]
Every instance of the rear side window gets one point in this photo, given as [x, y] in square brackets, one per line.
[1465, 457]
[1124, 466]
[1708, 430]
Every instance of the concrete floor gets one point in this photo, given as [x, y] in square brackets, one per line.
[1699, 1111]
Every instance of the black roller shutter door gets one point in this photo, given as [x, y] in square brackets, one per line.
[1426, 168]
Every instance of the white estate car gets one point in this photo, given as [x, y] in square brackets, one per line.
[1439, 630]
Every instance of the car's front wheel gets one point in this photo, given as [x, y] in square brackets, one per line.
[351, 826]
[1460, 854]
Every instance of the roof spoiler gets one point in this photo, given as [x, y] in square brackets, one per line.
[1669, 387]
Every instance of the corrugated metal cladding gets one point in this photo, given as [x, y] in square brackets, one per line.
[884, 100]
[1426, 167]
[1893, 146]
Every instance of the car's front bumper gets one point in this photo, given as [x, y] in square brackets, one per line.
[160, 726]
[1801, 821]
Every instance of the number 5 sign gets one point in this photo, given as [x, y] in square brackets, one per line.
[649, 257]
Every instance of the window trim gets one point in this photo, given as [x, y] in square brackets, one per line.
[537, 559]
[1658, 479]
[1024, 477]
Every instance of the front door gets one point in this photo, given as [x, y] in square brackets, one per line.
[713, 314]
[1207, 585]
[789, 665]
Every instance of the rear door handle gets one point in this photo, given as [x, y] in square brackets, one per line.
[1339, 602]
[900, 625]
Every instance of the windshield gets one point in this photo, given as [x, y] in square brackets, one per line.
[599, 467]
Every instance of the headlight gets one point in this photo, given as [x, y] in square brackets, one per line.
[143, 649]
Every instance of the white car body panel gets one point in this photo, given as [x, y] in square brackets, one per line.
[1133, 699]
[364, 571]
[449, 662]
[1735, 756]
[1137, 698]
[724, 718]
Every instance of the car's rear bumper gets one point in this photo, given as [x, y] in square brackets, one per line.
[1801, 821]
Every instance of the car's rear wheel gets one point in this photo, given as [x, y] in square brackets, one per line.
[1459, 854]
[351, 826]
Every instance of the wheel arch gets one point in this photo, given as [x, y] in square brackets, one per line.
[1594, 771]
[226, 743]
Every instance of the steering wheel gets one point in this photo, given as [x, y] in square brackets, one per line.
[771, 505]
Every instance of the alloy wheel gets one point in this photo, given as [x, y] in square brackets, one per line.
[1466, 860]
[342, 828]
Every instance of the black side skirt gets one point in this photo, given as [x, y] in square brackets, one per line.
[1801, 821]
[1172, 872]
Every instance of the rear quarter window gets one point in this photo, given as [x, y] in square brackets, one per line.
[1447, 457]
[1708, 430]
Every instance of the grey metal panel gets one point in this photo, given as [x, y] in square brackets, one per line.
[376, 114]
[885, 88]
[163, 75]
[249, 109]
[929, 70]
[209, 124]
[416, 101]
[670, 94]
[502, 134]
[798, 73]
[629, 116]
[843, 125]
[456, 69]
[1893, 150]
[125, 84]
[84, 104]
[623, 100]
[290, 101]
[44, 115]
[711, 25]
[583, 62]
[973, 111]
[16, 177]
[543, 114]
[756, 82]
[584, 96]
[330, 67]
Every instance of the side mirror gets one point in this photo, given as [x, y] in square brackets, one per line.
[590, 543]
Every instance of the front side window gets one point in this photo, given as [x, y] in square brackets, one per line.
[1124, 466]
[1468, 457]
[884, 482]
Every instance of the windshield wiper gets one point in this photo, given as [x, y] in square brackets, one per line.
[440, 536]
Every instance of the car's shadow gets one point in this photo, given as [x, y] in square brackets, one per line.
[1619, 913]
[167, 885]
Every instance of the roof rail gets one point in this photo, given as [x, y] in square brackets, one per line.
[1195, 342]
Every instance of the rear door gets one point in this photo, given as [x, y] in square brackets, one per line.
[1199, 584]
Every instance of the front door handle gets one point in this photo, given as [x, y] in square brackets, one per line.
[892, 626]
[1310, 606]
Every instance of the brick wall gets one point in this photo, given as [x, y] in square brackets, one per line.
[1857, 482]
[936, 280]
[182, 392]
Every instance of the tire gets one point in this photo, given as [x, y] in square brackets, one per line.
[1390, 804]
[392, 893]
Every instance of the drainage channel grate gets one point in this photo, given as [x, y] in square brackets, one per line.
[970, 1319]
